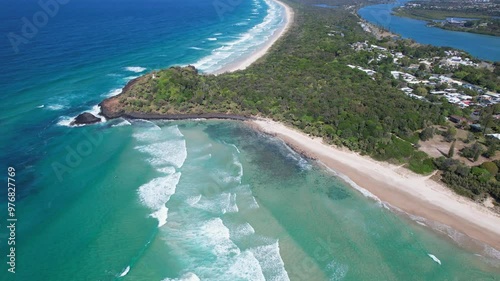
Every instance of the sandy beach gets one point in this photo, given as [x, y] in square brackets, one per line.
[414, 194]
[247, 61]
[431, 202]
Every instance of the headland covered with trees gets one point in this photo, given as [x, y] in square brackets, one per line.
[316, 79]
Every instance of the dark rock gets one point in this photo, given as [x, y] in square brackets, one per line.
[85, 118]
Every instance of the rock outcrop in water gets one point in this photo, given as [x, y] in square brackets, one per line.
[85, 119]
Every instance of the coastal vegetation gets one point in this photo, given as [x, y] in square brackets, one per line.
[480, 26]
[305, 82]
[479, 76]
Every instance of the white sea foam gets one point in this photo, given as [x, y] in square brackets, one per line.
[231, 263]
[223, 177]
[65, 121]
[125, 272]
[434, 258]
[241, 23]
[193, 200]
[148, 135]
[218, 238]
[491, 252]
[128, 78]
[363, 191]
[232, 207]
[254, 204]
[165, 145]
[161, 215]
[246, 43]
[245, 267]
[157, 192]
[212, 39]
[136, 69]
[292, 154]
[186, 277]
[55, 107]
[114, 92]
[421, 223]
[166, 170]
[218, 204]
[96, 110]
[246, 198]
[169, 131]
[229, 176]
[172, 152]
[146, 124]
[195, 48]
[166, 149]
[242, 230]
[41, 106]
[270, 261]
[213, 237]
[235, 147]
[217, 34]
[237, 163]
[122, 123]
[455, 235]
[174, 130]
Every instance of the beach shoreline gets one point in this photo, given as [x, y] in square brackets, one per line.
[397, 186]
[401, 189]
[264, 49]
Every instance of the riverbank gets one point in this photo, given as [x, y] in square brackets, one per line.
[247, 61]
[414, 194]
[481, 46]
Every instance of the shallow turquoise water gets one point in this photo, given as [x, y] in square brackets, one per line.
[218, 201]
[137, 200]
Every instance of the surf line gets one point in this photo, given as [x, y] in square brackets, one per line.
[141, 252]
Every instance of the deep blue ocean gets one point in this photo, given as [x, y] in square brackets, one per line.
[90, 49]
[481, 46]
[190, 200]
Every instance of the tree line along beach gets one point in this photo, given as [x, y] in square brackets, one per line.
[415, 194]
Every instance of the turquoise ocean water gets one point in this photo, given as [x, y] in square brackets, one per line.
[191, 200]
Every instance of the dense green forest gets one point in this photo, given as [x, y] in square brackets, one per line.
[480, 76]
[483, 26]
[442, 9]
[305, 82]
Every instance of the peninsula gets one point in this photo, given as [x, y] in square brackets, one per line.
[334, 92]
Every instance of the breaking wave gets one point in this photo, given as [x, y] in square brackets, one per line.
[246, 43]
[136, 69]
